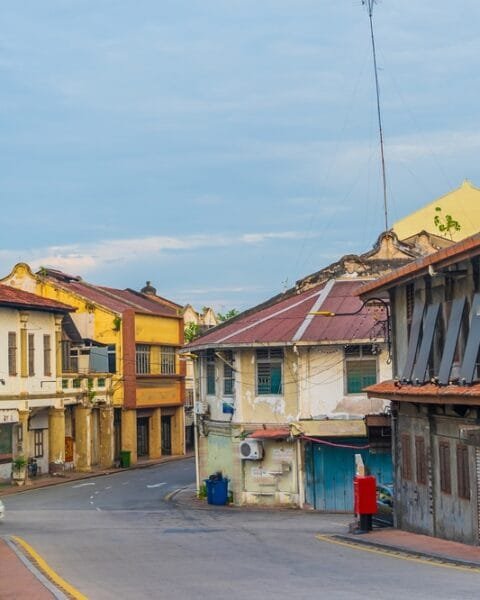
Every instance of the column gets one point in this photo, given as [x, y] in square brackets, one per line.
[129, 433]
[155, 434]
[178, 431]
[106, 437]
[56, 440]
[24, 447]
[83, 438]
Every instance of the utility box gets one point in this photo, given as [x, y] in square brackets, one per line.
[365, 494]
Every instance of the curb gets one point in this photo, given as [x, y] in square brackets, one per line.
[410, 551]
[77, 476]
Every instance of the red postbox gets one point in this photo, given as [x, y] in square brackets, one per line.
[365, 494]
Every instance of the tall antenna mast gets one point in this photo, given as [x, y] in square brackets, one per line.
[369, 4]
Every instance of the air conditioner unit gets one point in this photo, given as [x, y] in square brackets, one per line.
[251, 450]
[201, 408]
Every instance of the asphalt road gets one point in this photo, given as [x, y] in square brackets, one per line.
[117, 537]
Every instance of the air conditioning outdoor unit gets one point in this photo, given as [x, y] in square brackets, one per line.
[251, 450]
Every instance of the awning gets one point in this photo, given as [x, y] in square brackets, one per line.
[270, 434]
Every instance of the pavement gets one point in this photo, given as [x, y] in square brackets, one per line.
[23, 578]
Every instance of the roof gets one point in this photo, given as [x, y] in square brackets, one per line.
[289, 320]
[428, 393]
[111, 298]
[442, 258]
[270, 434]
[19, 299]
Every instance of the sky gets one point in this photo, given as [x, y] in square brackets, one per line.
[223, 149]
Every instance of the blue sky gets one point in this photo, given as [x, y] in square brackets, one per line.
[223, 149]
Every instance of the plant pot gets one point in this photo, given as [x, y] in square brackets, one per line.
[18, 476]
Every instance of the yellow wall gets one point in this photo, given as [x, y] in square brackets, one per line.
[463, 204]
[166, 393]
[156, 330]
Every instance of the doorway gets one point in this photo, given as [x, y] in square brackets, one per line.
[166, 435]
[142, 436]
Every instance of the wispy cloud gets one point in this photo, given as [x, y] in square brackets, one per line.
[88, 257]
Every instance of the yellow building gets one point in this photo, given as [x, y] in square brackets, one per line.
[141, 337]
[462, 204]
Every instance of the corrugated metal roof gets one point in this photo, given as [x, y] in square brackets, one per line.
[114, 299]
[288, 320]
[10, 296]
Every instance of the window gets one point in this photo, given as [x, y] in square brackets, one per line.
[12, 353]
[228, 374]
[406, 456]
[210, 372]
[5, 442]
[38, 443]
[463, 472]
[101, 382]
[65, 383]
[143, 359]
[420, 460]
[360, 366]
[167, 360]
[112, 359]
[76, 383]
[269, 371]
[31, 354]
[444, 462]
[47, 355]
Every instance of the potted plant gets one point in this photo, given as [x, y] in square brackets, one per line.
[19, 469]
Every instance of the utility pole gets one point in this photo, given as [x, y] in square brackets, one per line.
[369, 4]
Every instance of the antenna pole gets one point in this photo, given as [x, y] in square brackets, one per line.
[369, 4]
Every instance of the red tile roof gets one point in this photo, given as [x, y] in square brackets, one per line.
[287, 320]
[428, 393]
[442, 258]
[270, 434]
[13, 297]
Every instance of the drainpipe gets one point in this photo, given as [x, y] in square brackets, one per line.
[300, 476]
[195, 425]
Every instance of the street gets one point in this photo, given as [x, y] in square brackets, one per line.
[118, 537]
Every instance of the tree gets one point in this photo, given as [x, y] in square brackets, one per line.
[446, 225]
[228, 315]
[192, 331]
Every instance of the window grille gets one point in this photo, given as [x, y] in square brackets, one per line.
[269, 371]
[143, 359]
[12, 353]
[167, 360]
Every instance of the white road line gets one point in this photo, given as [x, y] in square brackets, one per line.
[79, 485]
[99, 509]
[157, 485]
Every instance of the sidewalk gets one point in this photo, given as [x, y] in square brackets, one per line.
[417, 544]
[41, 481]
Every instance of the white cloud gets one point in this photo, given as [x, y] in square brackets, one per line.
[84, 258]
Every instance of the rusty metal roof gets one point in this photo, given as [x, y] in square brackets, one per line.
[270, 434]
[14, 297]
[111, 298]
[288, 320]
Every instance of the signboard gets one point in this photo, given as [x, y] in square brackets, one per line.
[9, 415]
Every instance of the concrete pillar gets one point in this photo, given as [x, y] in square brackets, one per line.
[56, 439]
[178, 431]
[106, 436]
[23, 448]
[155, 434]
[129, 433]
[83, 438]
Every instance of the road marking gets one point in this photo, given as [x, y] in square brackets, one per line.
[402, 554]
[157, 485]
[170, 495]
[99, 509]
[47, 570]
[109, 487]
[79, 485]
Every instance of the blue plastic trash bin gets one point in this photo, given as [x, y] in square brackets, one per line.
[217, 490]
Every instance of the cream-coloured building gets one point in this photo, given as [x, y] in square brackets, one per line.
[40, 402]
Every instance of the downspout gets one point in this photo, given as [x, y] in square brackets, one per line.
[300, 475]
[195, 427]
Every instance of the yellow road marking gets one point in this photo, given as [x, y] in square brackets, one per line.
[47, 570]
[434, 562]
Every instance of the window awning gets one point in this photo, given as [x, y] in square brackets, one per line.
[270, 434]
